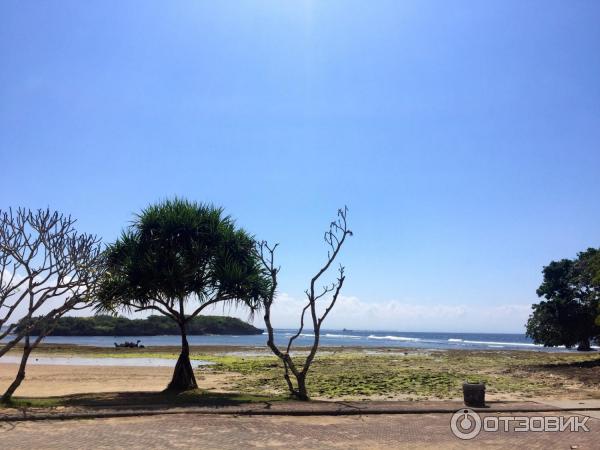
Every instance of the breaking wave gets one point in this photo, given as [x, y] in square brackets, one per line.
[394, 338]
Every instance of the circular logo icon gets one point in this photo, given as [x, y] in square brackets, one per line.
[465, 424]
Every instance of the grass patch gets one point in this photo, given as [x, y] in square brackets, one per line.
[436, 375]
[26, 402]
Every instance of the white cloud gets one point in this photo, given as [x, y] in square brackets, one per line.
[397, 315]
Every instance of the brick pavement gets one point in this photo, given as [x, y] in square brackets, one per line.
[241, 432]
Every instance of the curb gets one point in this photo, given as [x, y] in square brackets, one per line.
[266, 412]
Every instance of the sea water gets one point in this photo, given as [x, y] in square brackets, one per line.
[330, 338]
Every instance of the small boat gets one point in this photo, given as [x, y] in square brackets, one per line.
[128, 344]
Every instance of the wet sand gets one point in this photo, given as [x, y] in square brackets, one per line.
[91, 361]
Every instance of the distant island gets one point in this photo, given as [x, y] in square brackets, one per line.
[104, 325]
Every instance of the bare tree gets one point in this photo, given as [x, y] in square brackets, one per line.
[328, 294]
[44, 263]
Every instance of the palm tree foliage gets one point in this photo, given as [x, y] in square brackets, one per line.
[179, 254]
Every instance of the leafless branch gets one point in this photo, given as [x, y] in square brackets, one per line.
[334, 238]
[42, 259]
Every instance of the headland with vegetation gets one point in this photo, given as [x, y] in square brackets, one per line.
[106, 325]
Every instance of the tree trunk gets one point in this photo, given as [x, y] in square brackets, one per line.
[183, 376]
[20, 374]
[584, 346]
[302, 393]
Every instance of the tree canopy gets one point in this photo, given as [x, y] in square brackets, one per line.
[567, 316]
[180, 250]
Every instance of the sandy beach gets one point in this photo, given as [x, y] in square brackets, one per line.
[45, 380]
[51, 380]
[64, 376]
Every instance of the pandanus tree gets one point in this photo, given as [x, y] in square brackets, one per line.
[179, 257]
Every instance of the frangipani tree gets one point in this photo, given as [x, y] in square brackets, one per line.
[177, 258]
[47, 269]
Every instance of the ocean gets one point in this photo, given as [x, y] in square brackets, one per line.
[336, 338]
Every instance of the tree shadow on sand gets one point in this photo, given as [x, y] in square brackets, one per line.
[574, 364]
[585, 372]
[149, 400]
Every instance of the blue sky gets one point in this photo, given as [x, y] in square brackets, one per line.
[463, 136]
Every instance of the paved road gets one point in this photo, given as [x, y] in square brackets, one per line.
[318, 432]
